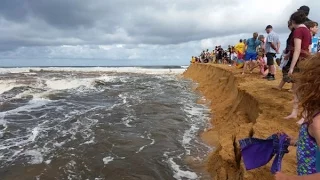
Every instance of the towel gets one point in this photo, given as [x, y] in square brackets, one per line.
[258, 152]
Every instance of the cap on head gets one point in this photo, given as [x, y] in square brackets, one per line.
[269, 27]
[305, 9]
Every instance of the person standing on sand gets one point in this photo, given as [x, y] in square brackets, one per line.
[220, 55]
[308, 142]
[299, 50]
[239, 48]
[213, 56]
[305, 10]
[286, 53]
[272, 48]
[251, 52]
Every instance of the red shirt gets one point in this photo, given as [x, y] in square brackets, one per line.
[304, 34]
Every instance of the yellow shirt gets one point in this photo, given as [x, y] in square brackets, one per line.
[193, 60]
[240, 47]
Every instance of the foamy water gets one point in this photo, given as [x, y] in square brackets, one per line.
[27, 70]
[87, 123]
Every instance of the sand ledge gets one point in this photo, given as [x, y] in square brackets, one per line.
[243, 106]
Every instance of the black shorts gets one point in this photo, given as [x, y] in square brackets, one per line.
[270, 58]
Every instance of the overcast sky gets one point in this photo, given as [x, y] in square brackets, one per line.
[132, 32]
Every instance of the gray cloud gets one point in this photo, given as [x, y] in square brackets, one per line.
[36, 25]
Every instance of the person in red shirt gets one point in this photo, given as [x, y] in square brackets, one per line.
[299, 50]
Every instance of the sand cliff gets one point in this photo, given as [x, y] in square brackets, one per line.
[242, 106]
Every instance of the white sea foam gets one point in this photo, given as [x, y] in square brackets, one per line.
[81, 127]
[63, 84]
[180, 174]
[36, 156]
[128, 109]
[32, 105]
[48, 161]
[6, 85]
[35, 132]
[151, 143]
[196, 115]
[91, 141]
[107, 160]
[96, 69]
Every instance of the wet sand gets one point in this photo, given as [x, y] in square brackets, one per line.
[243, 106]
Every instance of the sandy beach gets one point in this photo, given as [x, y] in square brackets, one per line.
[242, 106]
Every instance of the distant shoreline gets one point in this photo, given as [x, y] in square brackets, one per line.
[148, 67]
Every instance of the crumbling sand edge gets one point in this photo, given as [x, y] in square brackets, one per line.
[243, 106]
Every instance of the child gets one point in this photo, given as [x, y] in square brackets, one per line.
[262, 65]
[308, 142]
[234, 57]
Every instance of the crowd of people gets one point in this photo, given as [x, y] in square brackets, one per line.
[300, 64]
[258, 51]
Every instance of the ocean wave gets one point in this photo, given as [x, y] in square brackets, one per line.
[140, 70]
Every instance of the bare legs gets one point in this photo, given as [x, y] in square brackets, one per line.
[280, 86]
[294, 113]
[245, 66]
[253, 64]
[249, 65]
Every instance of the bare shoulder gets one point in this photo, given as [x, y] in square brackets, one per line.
[314, 128]
[316, 122]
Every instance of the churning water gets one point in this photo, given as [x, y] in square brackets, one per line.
[99, 123]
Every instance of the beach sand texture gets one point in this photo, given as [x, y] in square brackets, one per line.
[242, 106]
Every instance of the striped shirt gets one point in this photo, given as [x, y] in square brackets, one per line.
[272, 38]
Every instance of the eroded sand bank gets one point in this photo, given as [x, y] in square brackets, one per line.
[242, 105]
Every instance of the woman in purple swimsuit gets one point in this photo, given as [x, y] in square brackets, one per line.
[308, 143]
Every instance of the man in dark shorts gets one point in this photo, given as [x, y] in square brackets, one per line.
[272, 48]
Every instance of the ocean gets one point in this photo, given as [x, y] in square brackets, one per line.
[100, 123]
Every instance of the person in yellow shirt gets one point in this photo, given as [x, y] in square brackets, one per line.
[240, 48]
[193, 59]
[213, 57]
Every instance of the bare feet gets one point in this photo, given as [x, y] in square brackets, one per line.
[277, 88]
[291, 116]
[300, 121]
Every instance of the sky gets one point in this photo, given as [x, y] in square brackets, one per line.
[132, 32]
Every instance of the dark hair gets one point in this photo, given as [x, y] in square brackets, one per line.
[305, 9]
[289, 23]
[298, 17]
[311, 24]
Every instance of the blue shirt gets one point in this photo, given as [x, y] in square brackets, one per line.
[314, 45]
[252, 45]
